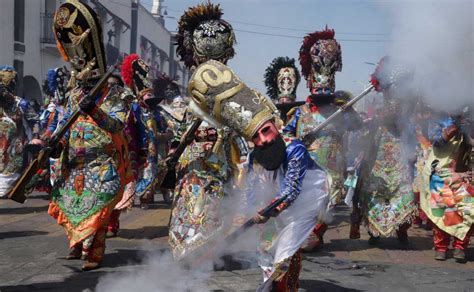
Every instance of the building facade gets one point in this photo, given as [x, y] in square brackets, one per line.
[28, 43]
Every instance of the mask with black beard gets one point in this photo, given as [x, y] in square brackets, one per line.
[272, 155]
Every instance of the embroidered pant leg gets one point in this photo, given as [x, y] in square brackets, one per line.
[96, 253]
[114, 223]
[462, 244]
[320, 229]
[290, 282]
[440, 239]
[87, 244]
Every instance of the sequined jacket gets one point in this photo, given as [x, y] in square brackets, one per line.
[298, 161]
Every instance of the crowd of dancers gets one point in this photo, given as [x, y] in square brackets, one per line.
[114, 142]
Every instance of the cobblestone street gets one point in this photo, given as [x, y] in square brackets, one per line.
[33, 247]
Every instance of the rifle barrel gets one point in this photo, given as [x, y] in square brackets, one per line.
[340, 110]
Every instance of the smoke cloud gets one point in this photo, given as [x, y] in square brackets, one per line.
[436, 39]
[159, 273]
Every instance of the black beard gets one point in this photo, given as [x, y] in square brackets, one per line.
[153, 102]
[322, 98]
[271, 156]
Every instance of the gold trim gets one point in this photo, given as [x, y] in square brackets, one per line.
[203, 80]
[199, 100]
[95, 33]
[258, 120]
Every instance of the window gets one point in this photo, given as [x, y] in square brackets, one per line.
[19, 21]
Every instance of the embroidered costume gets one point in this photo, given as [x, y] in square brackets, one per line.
[306, 186]
[447, 196]
[14, 131]
[388, 205]
[320, 59]
[93, 154]
[152, 131]
[228, 109]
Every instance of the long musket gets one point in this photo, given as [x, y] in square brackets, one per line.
[313, 132]
[17, 193]
[270, 208]
[208, 250]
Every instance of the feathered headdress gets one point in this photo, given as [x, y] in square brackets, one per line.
[127, 70]
[187, 24]
[271, 74]
[52, 82]
[165, 88]
[308, 42]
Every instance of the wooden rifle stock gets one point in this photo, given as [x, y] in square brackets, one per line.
[266, 212]
[17, 193]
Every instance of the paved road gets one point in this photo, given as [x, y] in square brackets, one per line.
[32, 250]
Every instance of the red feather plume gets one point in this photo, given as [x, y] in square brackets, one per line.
[127, 70]
[308, 41]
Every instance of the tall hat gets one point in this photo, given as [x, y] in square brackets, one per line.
[320, 59]
[203, 35]
[78, 34]
[165, 88]
[282, 79]
[136, 75]
[219, 93]
[8, 77]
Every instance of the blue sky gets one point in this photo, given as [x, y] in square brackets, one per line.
[352, 20]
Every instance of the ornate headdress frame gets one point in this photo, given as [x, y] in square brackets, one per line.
[271, 74]
[188, 22]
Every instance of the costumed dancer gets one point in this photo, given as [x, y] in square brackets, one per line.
[276, 170]
[153, 134]
[386, 199]
[320, 59]
[55, 86]
[447, 196]
[172, 110]
[228, 109]
[93, 154]
[116, 84]
[282, 79]
[13, 131]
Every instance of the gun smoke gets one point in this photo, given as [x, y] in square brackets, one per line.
[436, 39]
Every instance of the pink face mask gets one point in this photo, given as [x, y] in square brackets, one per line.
[265, 134]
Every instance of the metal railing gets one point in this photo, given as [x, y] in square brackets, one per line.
[47, 34]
